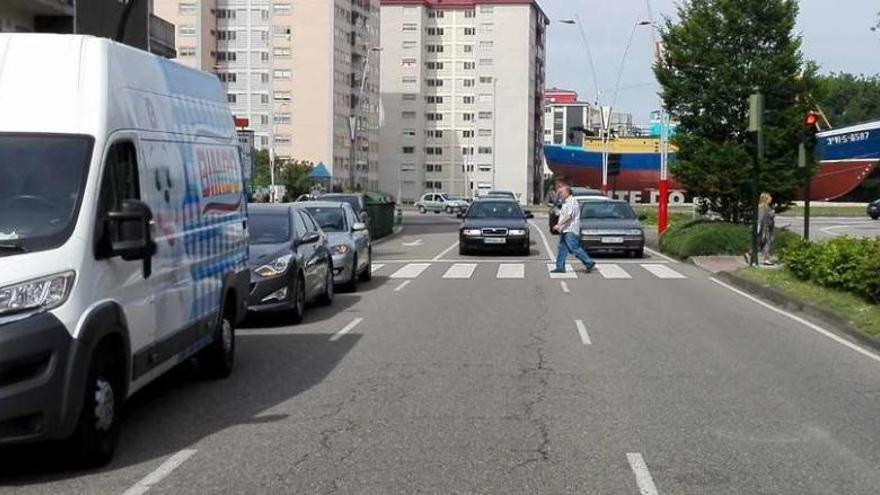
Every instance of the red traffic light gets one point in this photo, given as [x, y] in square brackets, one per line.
[812, 120]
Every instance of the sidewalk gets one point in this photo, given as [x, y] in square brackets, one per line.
[718, 264]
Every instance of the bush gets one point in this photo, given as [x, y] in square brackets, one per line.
[707, 237]
[843, 263]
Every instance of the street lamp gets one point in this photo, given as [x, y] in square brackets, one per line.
[577, 22]
[353, 120]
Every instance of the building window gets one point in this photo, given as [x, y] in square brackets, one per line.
[225, 13]
[407, 167]
[434, 117]
[281, 74]
[281, 52]
[231, 98]
[223, 35]
[485, 79]
[281, 8]
[485, 62]
[467, 134]
[485, 132]
[485, 115]
[470, 65]
[434, 133]
[408, 150]
[468, 83]
[226, 56]
[408, 80]
[486, 45]
[486, 10]
[408, 62]
[408, 115]
[264, 99]
[470, 31]
[435, 48]
[485, 168]
[409, 45]
[281, 31]
[188, 51]
[467, 117]
[435, 83]
[264, 56]
[485, 150]
[433, 167]
[467, 100]
[468, 48]
[281, 140]
[409, 132]
[434, 185]
[433, 65]
[434, 100]
[436, 14]
[282, 118]
[470, 14]
[467, 151]
[487, 28]
[187, 8]
[187, 31]
[282, 96]
[264, 77]
[432, 31]
[409, 97]
[227, 77]
[264, 119]
[409, 26]
[434, 150]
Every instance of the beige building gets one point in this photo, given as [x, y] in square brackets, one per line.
[462, 97]
[294, 69]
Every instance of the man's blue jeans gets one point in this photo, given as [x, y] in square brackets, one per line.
[569, 243]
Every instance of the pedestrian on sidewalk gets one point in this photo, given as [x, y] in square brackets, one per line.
[569, 226]
[766, 224]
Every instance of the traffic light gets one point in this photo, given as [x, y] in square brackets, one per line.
[811, 128]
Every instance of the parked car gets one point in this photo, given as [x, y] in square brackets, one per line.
[290, 260]
[349, 242]
[495, 223]
[579, 193]
[440, 202]
[611, 225]
[874, 210]
[123, 238]
[357, 201]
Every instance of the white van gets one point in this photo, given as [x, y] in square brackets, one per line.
[123, 235]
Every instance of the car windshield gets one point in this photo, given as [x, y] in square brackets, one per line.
[330, 219]
[495, 209]
[37, 210]
[269, 228]
[606, 210]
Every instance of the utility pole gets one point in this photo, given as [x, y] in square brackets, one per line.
[756, 126]
[805, 162]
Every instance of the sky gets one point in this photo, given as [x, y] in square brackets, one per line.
[836, 35]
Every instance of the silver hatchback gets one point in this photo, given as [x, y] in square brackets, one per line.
[349, 242]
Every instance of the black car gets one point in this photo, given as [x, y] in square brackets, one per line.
[611, 225]
[494, 223]
[874, 210]
[290, 261]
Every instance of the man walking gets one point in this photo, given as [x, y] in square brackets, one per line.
[569, 226]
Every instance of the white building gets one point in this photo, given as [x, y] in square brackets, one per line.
[563, 112]
[294, 69]
[462, 97]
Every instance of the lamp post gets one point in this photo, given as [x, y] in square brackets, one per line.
[577, 22]
[353, 120]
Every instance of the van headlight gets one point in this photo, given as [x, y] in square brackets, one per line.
[275, 267]
[43, 293]
[472, 232]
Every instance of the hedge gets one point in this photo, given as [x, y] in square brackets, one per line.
[843, 263]
[708, 237]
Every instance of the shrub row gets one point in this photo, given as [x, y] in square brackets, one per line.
[707, 237]
[842, 263]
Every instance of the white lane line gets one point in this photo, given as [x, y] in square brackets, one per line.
[568, 275]
[612, 271]
[376, 267]
[160, 473]
[658, 253]
[415, 243]
[544, 240]
[582, 331]
[515, 260]
[402, 286]
[445, 251]
[460, 271]
[643, 476]
[662, 271]
[511, 271]
[411, 270]
[347, 328]
[565, 288]
[808, 324]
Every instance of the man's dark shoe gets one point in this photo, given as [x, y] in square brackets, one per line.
[590, 267]
[557, 271]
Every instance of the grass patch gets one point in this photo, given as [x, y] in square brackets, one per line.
[828, 211]
[861, 314]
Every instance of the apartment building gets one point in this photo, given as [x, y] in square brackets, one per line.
[462, 97]
[294, 69]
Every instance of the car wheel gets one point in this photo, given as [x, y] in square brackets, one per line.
[463, 250]
[326, 298]
[97, 432]
[875, 217]
[525, 250]
[422, 210]
[367, 274]
[639, 253]
[217, 360]
[351, 285]
[298, 310]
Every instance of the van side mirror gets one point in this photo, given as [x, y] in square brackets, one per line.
[359, 227]
[128, 231]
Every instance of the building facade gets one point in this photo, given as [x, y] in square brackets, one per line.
[462, 97]
[143, 29]
[294, 69]
[563, 112]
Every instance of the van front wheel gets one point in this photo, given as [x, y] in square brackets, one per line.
[218, 359]
[97, 431]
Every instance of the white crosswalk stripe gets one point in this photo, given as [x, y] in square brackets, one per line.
[411, 270]
[663, 271]
[460, 271]
[511, 271]
[612, 271]
[568, 275]
[377, 266]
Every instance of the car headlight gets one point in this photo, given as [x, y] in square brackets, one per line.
[517, 232]
[590, 232]
[634, 232]
[275, 267]
[341, 249]
[43, 293]
[472, 232]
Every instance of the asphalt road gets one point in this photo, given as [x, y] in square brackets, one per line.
[485, 375]
[827, 227]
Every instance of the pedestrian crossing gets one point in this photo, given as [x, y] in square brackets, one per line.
[517, 271]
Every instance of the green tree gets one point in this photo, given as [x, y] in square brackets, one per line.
[847, 99]
[292, 174]
[715, 56]
[261, 176]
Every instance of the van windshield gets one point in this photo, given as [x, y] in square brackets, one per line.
[43, 178]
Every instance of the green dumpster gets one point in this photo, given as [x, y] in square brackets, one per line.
[381, 208]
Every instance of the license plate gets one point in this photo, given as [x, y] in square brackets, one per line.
[495, 240]
[612, 240]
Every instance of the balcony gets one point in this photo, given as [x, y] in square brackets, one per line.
[162, 37]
